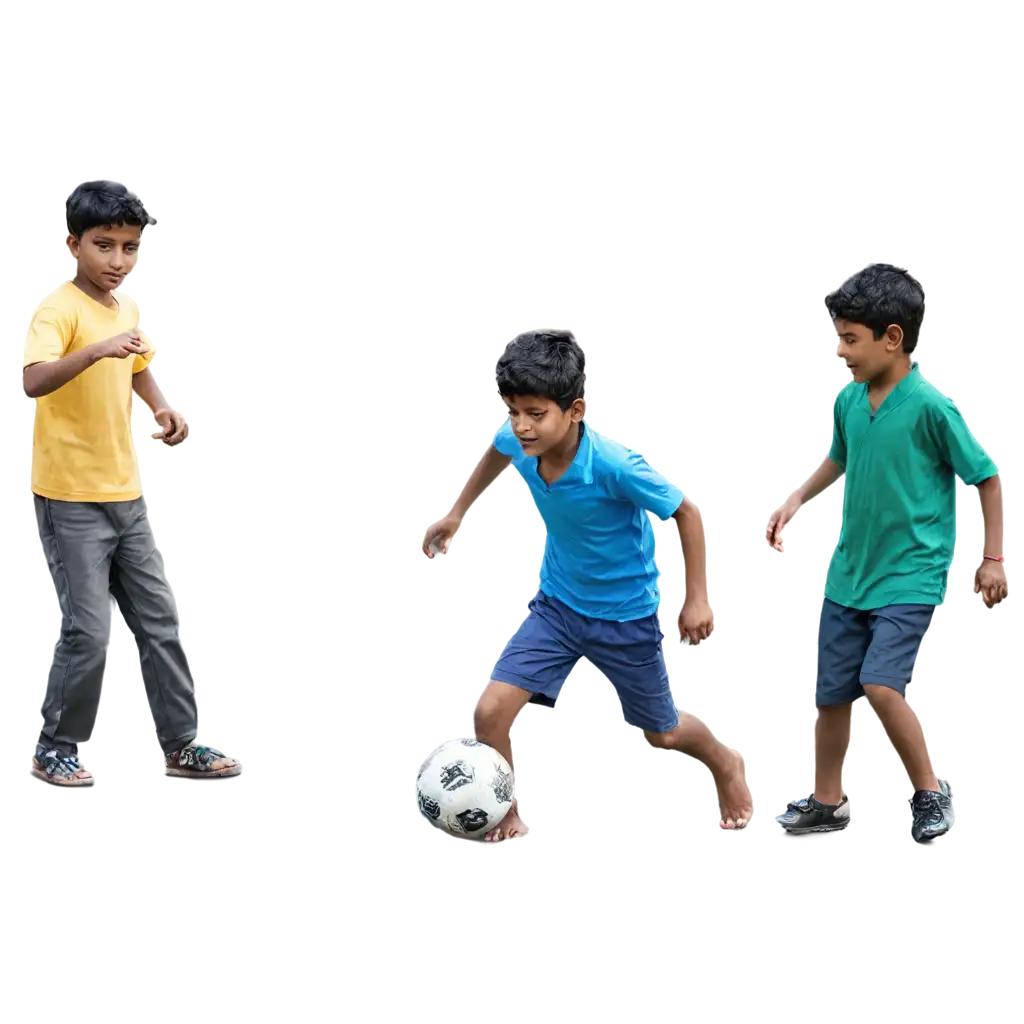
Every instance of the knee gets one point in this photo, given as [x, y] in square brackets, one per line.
[159, 631]
[497, 708]
[655, 741]
[489, 716]
[154, 619]
[881, 696]
[88, 636]
[689, 736]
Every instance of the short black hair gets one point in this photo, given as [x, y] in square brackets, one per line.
[878, 296]
[545, 363]
[95, 204]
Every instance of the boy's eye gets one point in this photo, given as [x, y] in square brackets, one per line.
[537, 415]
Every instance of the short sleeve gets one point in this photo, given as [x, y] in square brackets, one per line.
[141, 363]
[505, 440]
[837, 453]
[49, 336]
[957, 446]
[645, 487]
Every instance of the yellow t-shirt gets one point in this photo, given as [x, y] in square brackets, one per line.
[82, 448]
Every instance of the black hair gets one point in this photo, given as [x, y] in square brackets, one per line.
[545, 363]
[878, 296]
[98, 203]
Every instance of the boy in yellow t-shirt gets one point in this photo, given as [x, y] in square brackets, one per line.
[84, 357]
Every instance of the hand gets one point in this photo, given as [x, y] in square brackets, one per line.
[696, 620]
[175, 429]
[122, 346]
[990, 582]
[780, 517]
[440, 535]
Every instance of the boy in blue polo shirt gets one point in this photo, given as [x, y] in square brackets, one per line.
[900, 443]
[599, 594]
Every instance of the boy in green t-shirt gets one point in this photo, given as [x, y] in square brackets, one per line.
[900, 443]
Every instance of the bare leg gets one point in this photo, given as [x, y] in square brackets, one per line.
[831, 738]
[905, 734]
[691, 736]
[495, 712]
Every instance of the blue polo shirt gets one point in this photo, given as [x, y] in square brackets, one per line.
[599, 555]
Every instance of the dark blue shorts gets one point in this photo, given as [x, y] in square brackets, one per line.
[554, 637]
[876, 648]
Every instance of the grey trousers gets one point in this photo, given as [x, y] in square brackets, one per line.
[97, 551]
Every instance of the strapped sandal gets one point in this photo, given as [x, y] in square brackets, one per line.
[58, 768]
[199, 761]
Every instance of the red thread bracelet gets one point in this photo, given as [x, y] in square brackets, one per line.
[992, 558]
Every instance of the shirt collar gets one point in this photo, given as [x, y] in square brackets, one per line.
[899, 394]
[582, 466]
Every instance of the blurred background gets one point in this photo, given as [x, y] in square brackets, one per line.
[343, 242]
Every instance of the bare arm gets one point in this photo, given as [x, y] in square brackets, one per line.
[990, 579]
[41, 379]
[488, 469]
[145, 386]
[691, 535]
[696, 620]
[821, 479]
[44, 378]
[169, 424]
[991, 493]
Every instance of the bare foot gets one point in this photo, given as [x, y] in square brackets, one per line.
[734, 800]
[511, 826]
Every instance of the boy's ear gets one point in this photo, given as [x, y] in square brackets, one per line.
[577, 409]
[74, 245]
[893, 337]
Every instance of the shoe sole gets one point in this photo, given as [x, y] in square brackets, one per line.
[815, 828]
[934, 835]
[222, 773]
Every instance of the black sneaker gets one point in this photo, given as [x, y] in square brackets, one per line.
[933, 812]
[810, 815]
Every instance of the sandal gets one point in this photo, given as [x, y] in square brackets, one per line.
[198, 762]
[60, 769]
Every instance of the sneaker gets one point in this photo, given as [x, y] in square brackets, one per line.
[60, 769]
[810, 815]
[933, 812]
[197, 761]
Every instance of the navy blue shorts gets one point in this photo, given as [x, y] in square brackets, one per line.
[876, 648]
[554, 637]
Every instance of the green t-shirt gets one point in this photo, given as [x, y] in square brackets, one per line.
[899, 508]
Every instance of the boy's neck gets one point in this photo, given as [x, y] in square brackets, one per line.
[102, 295]
[562, 457]
[885, 383]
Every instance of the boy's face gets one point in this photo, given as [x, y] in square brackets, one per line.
[867, 357]
[107, 255]
[539, 424]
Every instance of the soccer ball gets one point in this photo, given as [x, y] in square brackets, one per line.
[465, 787]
